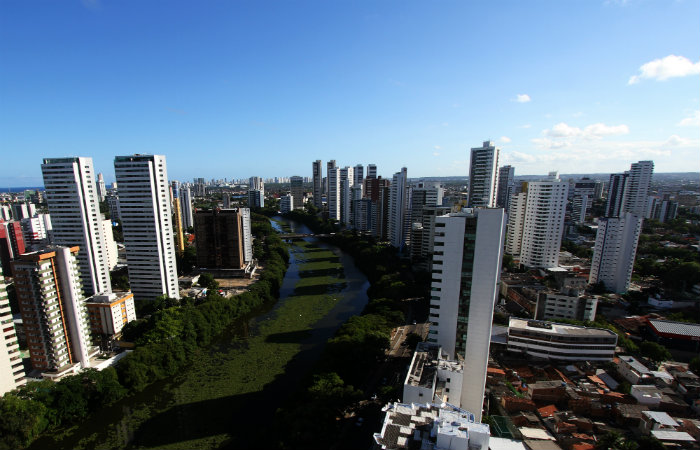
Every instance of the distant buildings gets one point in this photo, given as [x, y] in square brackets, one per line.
[71, 194]
[37, 231]
[317, 169]
[536, 222]
[346, 180]
[560, 342]
[186, 207]
[297, 191]
[286, 203]
[426, 204]
[333, 191]
[223, 236]
[552, 305]
[256, 192]
[399, 217]
[483, 176]
[11, 367]
[101, 188]
[629, 191]
[614, 251]
[11, 244]
[53, 311]
[466, 270]
[147, 225]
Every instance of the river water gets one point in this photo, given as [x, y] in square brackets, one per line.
[154, 418]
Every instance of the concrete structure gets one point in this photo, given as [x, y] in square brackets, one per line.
[256, 198]
[399, 216]
[11, 367]
[109, 313]
[113, 205]
[358, 174]
[221, 239]
[431, 426]
[297, 191]
[583, 195]
[53, 310]
[101, 188]
[539, 228]
[37, 231]
[560, 342]
[506, 187]
[110, 246]
[333, 195]
[371, 171]
[552, 305]
[629, 191]
[346, 181]
[20, 211]
[359, 218]
[177, 224]
[516, 220]
[147, 225]
[632, 370]
[432, 377]
[317, 169]
[466, 271]
[614, 251]
[483, 176]
[11, 243]
[426, 199]
[286, 203]
[377, 191]
[662, 209]
[71, 194]
[186, 207]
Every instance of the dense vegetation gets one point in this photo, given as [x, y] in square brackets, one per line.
[165, 344]
[311, 417]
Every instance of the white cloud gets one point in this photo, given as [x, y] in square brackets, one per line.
[436, 154]
[692, 121]
[437, 147]
[527, 125]
[677, 141]
[522, 98]
[445, 124]
[505, 139]
[671, 66]
[594, 131]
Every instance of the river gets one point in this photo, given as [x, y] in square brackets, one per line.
[229, 395]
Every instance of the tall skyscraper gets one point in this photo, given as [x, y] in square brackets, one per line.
[333, 196]
[101, 188]
[71, 194]
[616, 194]
[637, 189]
[297, 191]
[346, 182]
[147, 225]
[426, 199]
[540, 227]
[614, 251]
[53, 310]
[186, 206]
[317, 168]
[506, 185]
[466, 271]
[483, 176]
[221, 238]
[371, 171]
[358, 174]
[399, 216]
[11, 367]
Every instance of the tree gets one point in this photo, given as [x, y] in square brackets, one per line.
[412, 340]
[695, 365]
[206, 280]
[655, 352]
[649, 443]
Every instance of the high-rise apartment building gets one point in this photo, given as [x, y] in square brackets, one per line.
[37, 231]
[506, 186]
[346, 182]
[110, 246]
[614, 251]
[11, 367]
[425, 197]
[52, 304]
[147, 225]
[483, 176]
[535, 234]
[11, 243]
[637, 189]
[399, 216]
[223, 238]
[333, 196]
[297, 191]
[466, 271]
[71, 194]
[101, 188]
[358, 174]
[109, 313]
[186, 206]
[317, 168]
[286, 203]
[371, 171]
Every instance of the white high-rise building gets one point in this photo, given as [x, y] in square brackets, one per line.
[614, 251]
[37, 231]
[186, 207]
[247, 234]
[398, 209]
[483, 176]
[11, 367]
[71, 194]
[542, 222]
[371, 171]
[637, 188]
[333, 199]
[468, 250]
[110, 244]
[317, 168]
[506, 186]
[346, 183]
[101, 188]
[358, 174]
[147, 225]
[516, 219]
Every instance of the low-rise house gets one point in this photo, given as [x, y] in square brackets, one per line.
[633, 370]
[647, 395]
[656, 420]
[547, 392]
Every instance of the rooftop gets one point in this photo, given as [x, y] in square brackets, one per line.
[558, 328]
[680, 328]
[661, 418]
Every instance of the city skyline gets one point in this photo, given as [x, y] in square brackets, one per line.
[392, 84]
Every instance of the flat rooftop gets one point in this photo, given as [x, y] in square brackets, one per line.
[557, 328]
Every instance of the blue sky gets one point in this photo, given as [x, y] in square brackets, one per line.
[240, 88]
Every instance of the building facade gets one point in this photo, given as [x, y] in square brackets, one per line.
[483, 176]
[614, 251]
[147, 225]
[506, 186]
[317, 170]
[11, 367]
[71, 194]
[399, 217]
[466, 272]
[221, 240]
[109, 313]
[297, 191]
